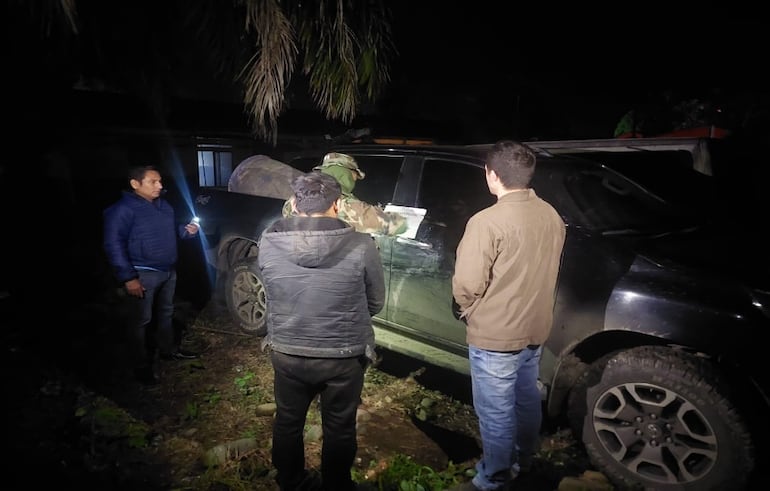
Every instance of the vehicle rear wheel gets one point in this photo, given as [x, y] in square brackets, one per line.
[655, 418]
[245, 297]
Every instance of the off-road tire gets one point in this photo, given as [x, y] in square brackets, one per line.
[657, 418]
[245, 297]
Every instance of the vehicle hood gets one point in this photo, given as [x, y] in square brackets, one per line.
[725, 253]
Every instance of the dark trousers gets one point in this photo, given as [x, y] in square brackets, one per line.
[151, 322]
[298, 380]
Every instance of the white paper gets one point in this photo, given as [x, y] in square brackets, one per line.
[414, 217]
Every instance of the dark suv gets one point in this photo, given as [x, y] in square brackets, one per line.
[655, 355]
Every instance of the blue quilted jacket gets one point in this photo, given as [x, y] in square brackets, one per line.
[140, 234]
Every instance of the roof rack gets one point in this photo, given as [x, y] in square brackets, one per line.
[390, 140]
[696, 146]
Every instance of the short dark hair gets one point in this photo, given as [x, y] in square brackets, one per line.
[138, 172]
[315, 192]
[513, 162]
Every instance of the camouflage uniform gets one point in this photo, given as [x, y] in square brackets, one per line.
[363, 216]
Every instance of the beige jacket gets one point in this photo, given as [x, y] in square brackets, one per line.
[506, 270]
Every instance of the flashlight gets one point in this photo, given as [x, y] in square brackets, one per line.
[195, 221]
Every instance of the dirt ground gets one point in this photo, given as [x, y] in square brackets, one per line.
[77, 417]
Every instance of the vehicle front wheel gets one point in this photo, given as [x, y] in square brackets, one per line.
[245, 297]
[656, 418]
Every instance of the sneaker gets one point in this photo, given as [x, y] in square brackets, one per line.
[464, 486]
[311, 481]
[525, 463]
[146, 376]
[469, 486]
[180, 354]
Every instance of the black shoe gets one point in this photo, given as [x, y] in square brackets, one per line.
[366, 486]
[309, 480]
[146, 376]
[180, 354]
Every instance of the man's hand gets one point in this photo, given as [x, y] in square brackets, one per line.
[457, 312]
[134, 288]
[191, 228]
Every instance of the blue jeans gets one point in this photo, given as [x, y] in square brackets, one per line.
[298, 380]
[508, 404]
[152, 327]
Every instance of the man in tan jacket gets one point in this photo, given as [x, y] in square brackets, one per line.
[504, 284]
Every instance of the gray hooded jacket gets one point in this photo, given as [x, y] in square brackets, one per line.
[324, 281]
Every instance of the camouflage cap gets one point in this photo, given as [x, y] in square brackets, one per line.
[342, 160]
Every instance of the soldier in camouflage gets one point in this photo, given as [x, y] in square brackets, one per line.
[362, 216]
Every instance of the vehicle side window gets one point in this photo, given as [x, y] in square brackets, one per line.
[381, 176]
[451, 192]
[379, 183]
[305, 164]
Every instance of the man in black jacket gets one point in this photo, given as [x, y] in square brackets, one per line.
[324, 281]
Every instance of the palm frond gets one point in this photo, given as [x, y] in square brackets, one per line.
[269, 71]
[377, 50]
[345, 45]
[47, 13]
[68, 7]
[328, 47]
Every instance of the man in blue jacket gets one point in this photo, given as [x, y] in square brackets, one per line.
[324, 281]
[140, 241]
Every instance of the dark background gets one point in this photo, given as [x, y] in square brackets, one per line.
[550, 72]
[464, 72]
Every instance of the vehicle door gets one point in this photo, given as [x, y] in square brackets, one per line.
[605, 214]
[420, 298]
[377, 188]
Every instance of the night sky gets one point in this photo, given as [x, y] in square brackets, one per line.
[609, 50]
[478, 70]
[552, 75]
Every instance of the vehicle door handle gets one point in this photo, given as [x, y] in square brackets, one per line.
[415, 243]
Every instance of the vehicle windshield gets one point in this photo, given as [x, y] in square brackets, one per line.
[602, 199]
